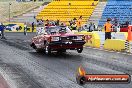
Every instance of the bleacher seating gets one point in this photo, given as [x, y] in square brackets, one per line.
[64, 12]
[119, 9]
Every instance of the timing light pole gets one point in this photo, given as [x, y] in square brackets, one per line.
[9, 11]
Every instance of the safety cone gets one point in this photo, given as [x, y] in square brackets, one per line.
[129, 38]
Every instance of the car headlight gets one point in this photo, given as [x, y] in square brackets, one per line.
[55, 38]
[80, 37]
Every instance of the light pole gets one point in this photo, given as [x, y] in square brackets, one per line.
[69, 9]
[9, 11]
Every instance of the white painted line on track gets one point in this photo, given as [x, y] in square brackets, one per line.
[130, 54]
[111, 51]
[123, 53]
[94, 48]
[106, 50]
[118, 52]
[101, 49]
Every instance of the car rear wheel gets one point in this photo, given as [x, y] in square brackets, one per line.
[34, 47]
[39, 50]
[79, 50]
[47, 49]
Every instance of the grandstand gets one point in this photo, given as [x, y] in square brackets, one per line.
[65, 10]
[117, 9]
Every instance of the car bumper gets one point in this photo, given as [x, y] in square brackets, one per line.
[66, 45]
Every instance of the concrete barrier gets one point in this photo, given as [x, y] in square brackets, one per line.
[115, 44]
[119, 35]
[92, 39]
[101, 36]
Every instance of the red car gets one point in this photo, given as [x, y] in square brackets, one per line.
[58, 39]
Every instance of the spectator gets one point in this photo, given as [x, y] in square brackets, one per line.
[70, 22]
[74, 26]
[116, 27]
[2, 28]
[62, 24]
[127, 23]
[47, 23]
[25, 29]
[57, 22]
[91, 27]
[79, 24]
[33, 27]
[93, 4]
[74, 20]
[108, 28]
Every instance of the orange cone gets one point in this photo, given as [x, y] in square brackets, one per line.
[129, 38]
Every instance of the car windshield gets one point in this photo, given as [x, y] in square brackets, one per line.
[60, 29]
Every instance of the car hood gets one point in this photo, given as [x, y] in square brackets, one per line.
[66, 34]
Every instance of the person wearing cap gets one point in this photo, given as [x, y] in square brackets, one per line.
[108, 29]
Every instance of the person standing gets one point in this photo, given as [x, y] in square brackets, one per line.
[74, 26]
[2, 28]
[108, 29]
[79, 24]
[91, 27]
[57, 22]
[25, 29]
[33, 27]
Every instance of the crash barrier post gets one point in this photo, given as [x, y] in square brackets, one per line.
[129, 40]
[127, 47]
[115, 44]
[92, 39]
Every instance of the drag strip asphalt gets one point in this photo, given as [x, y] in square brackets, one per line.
[25, 68]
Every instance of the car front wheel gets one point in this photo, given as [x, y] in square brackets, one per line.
[47, 49]
[79, 50]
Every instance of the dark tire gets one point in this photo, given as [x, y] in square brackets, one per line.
[34, 47]
[39, 50]
[79, 50]
[81, 80]
[19, 28]
[47, 49]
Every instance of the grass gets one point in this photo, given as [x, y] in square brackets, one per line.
[16, 8]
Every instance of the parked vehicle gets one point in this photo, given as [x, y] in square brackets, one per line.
[13, 27]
